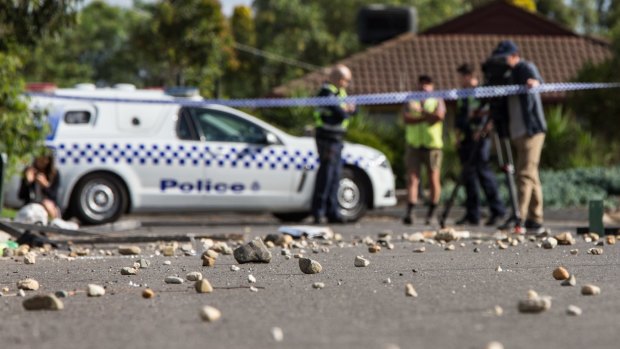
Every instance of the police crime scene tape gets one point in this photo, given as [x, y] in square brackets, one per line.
[365, 99]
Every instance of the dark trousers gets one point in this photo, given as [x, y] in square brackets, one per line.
[325, 200]
[479, 171]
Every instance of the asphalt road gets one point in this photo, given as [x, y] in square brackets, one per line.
[458, 291]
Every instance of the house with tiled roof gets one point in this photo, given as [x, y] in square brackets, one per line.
[394, 65]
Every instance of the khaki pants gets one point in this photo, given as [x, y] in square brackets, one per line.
[527, 150]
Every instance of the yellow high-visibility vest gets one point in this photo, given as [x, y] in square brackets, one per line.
[424, 134]
[318, 112]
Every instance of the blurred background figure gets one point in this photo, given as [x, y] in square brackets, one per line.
[40, 183]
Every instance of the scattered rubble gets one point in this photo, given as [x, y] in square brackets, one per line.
[410, 291]
[43, 302]
[28, 284]
[574, 251]
[234, 268]
[549, 243]
[361, 262]
[251, 279]
[203, 286]
[494, 345]
[420, 249]
[611, 240]
[590, 290]
[193, 276]
[318, 285]
[173, 280]
[129, 271]
[254, 251]
[210, 314]
[560, 273]
[309, 266]
[95, 290]
[534, 303]
[129, 250]
[144, 263]
[277, 334]
[374, 248]
[30, 258]
[573, 310]
[148, 293]
[595, 251]
[571, 281]
[565, 238]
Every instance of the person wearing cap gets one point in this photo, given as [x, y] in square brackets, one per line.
[474, 152]
[330, 127]
[527, 128]
[424, 136]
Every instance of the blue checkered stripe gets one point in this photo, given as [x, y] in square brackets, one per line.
[194, 155]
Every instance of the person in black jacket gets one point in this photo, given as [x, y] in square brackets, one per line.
[40, 183]
[330, 127]
[527, 128]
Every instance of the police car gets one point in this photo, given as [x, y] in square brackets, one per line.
[122, 150]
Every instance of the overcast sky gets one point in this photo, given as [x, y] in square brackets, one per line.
[227, 5]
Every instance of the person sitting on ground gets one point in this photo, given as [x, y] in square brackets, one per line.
[40, 183]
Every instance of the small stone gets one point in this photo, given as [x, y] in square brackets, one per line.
[210, 314]
[144, 263]
[571, 281]
[499, 268]
[222, 247]
[477, 249]
[535, 305]
[590, 290]
[361, 262]
[167, 262]
[594, 236]
[21, 293]
[203, 286]
[498, 310]
[129, 250]
[565, 238]
[43, 302]
[297, 255]
[254, 251]
[494, 345]
[253, 289]
[574, 251]
[136, 265]
[549, 243]
[374, 248]
[210, 253]
[208, 261]
[501, 245]
[5, 289]
[148, 293]
[277, 334]
[531, 294]
[446, 235]
[611, 240]
[28, 284]
[595, 251]
[573, 310]
[129, 271]
[168, 250]
[61, 294]
[30, 258]
[560, 273]
[95, 290]
[410, 291]
[251, 279]
[318, 285]
[173, 280]
[193, 276]
[450, 247]
[387, 281]
[416, 237]
[420, 249]
[234, 268]
[309, 266]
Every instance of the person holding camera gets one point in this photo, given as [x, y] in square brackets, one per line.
[40, 183]
[474, 150]
[527, 128]
[424, 136]
[331, 124]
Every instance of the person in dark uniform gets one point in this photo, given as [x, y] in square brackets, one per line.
[40, 183]
[331, 123]
[470, 126]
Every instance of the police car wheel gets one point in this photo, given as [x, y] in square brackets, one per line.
[352, 195]
[99, 198]
[291, 217]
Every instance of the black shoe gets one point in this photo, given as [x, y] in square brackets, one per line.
[407, 220]
[467, 220]
[493, 220]
[508, 224]
[534, 227]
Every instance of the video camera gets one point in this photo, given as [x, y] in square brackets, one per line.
[497, 72]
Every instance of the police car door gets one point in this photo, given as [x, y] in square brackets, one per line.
[242, 170]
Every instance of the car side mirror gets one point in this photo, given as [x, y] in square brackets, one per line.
[271, 139]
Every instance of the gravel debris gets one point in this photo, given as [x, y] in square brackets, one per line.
[28, 284]
[210, 314]
[565, 238]
[361, 262]
[193, 276]
[590, 290]
[560, 273]
[129, 271]
[95, 290]
[129, 250]
[571, 281]
[595, 251]
[309, 266]
[203, 286]
[173, 280]
[148, 293]
[277, 334]
[251, 279]
[234, 268]
[549, 243]
[254, 251]
[410, 291]
[318, 285]
[43, 302]
[573, 310]
[30, 258]
[420, 249]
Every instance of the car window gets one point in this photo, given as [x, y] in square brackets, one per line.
[220, 126]
[184, 129]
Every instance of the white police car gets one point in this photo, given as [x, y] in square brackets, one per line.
[143, 156]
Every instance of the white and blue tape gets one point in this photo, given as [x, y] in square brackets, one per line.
[366, 99]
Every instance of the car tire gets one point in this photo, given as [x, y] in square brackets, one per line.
[291, 217]
[352, 195]
[99, 198]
